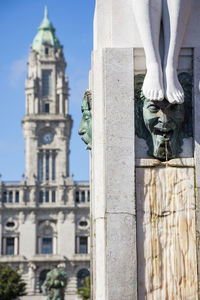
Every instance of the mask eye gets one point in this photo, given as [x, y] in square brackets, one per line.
[153, 108]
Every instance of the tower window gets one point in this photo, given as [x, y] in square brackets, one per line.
[53, 196]
[46, 108]
[47, 166]
[41, 194]
[53, 166]
[46, 82]
[40, 167]
[57, 103]
[47, 196]
[46, 50]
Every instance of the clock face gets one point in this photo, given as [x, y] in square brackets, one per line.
[47, 137]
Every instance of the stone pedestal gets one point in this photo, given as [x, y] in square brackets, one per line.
[158, 258]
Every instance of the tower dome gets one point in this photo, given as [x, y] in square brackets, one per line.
[46, 35]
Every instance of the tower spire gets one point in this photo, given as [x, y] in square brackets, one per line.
[45, 12]
[46, 34]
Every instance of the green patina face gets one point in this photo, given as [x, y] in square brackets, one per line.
[164, 125]
[85, 128]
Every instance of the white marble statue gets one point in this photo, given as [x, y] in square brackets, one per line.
[161, 80]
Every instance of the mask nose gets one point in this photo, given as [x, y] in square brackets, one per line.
[163, 119]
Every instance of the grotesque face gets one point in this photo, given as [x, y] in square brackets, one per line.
[85, 128]
[163, 125]
[164, 122]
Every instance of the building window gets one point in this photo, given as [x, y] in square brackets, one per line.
[46, 83]
[53, 166]
[53, 196]
[46, 238]
[82, 274]
[83, 196]
[47, 196]
[4, 197]
[42, 278]
[17, 197]
[82, 244]
[88, 196]
[46, 108]
[47, 166]
[10, 224]
[47, 244]
[41, 195]
[10, 245]
[40, 167]
[77, 196]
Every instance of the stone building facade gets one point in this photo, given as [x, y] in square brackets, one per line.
[44, 218]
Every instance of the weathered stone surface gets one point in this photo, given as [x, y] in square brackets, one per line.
[113, 184]
[166, 233]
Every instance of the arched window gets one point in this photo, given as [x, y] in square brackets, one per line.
[47, 238]
[42, 278]
[81, 277]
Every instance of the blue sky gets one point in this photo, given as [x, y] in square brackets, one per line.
[19, 20]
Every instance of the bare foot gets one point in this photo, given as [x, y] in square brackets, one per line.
[173, 90]
[153, 86]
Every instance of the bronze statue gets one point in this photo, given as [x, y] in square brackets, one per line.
[55, 283]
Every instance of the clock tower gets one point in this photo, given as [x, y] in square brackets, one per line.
[47, 123]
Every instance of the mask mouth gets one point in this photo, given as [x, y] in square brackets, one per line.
[166, 133]
[164, 151]
[84, 138]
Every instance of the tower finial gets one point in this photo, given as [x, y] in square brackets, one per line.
[45, 12]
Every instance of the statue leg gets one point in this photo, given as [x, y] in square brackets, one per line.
[148, 17]
[175, 17]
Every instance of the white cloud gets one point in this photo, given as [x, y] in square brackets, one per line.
[17, 71]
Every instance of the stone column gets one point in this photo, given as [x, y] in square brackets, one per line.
[114, 261]
[54, 244]
[16, 246]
